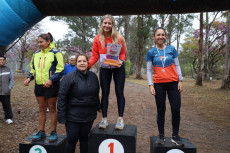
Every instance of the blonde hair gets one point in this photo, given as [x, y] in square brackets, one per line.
[116, 36]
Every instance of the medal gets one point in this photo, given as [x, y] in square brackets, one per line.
[162, 59]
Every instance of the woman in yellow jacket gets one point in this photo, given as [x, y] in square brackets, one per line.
[47, 68]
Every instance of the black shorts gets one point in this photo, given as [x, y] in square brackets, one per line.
[52, 91]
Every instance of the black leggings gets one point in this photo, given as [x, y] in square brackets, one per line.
[175, 102]
[5, 99]
[105, 81]
[77, 131]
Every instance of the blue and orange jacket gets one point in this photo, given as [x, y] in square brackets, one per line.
[46, 65]
[160, 62]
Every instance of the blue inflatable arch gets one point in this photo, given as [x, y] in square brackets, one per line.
[17, 16]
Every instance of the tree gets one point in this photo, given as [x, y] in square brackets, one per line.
[170, 29]
[188, 56]
[126, 26]
[183, 21]
[25, 46]
[206, 68]
[215, 46]
[131, 43]
[145, 26]
[226, 77]
[140, 39]
[175, 25]
[163, 19]
[199, 74]
[123, 25]
[84, 28]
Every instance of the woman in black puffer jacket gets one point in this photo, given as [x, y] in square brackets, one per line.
[78, 103]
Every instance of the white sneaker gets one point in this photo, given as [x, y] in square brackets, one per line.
[120, 124]
[104, 123]
[9, 121]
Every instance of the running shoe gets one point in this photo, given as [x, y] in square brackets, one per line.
[41, 134]
[104, 123]
[177, 140]
[120, 124]
[53, 137]
[9, 121]
[161, 139]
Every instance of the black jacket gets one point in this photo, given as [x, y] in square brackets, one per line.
[78, 97]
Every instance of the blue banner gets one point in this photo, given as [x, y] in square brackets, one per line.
[16, 17]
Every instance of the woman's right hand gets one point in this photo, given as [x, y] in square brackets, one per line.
[152, 90]
[27, 81]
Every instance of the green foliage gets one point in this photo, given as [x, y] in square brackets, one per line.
[149, 24]
[187, 57]
[84, 29]
[127, 67]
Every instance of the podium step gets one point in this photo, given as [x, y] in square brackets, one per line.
[169, 146]
[110, 140]
[27, 146]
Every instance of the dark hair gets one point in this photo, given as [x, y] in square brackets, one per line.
[82, 55]
[158, 29]
[3, 57]
[47, 36]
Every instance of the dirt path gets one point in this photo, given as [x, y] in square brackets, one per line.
[140, 110]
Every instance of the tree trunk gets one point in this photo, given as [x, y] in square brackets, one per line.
[178, 41]
[226, 77]
[22, 60]
[162, 20]
[22, 54]
[84, 34]
[178, 35]
[139, 46]
[206, 67]
[199, 74]
[170, 29]
[126, 27]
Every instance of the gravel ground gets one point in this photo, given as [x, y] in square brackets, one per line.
[140, 110]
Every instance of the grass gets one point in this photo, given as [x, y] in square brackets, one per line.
[209, 100]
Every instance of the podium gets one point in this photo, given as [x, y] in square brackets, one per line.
[110, 140]
[43, 145]
[169, 146]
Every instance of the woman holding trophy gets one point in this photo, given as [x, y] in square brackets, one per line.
[109, 46]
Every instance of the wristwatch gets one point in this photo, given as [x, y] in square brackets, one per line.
[122, 61]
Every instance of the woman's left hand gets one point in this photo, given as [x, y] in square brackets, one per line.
[180, 86]
[119, 62]
[48, 84]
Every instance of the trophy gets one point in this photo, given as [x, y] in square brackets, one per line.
[112, 56]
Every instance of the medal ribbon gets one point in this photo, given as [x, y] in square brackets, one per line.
[162, 61]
